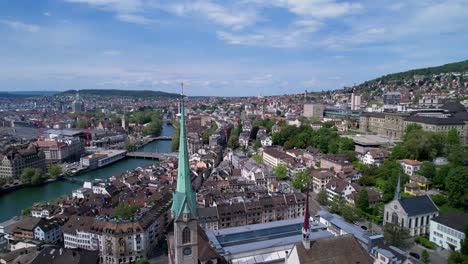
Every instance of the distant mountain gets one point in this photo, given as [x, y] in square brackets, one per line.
[12, 95]
[461, 67]
[122, 93]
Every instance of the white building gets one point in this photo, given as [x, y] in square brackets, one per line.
[447, 230]
[410, 166]
[49, 231]
[266, 141]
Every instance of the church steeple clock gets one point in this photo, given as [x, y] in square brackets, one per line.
[184, 205]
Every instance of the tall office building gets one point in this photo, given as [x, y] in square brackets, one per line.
[355, 101]
[77, 105]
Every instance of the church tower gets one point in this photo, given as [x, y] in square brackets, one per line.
[306, 226]
[184, 205]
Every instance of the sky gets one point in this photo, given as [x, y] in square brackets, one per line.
[223, 48]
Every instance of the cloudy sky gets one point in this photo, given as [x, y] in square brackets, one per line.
[243, 47]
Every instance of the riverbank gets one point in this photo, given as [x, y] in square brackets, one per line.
[12, 203]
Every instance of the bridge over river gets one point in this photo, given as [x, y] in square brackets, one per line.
[150, 155]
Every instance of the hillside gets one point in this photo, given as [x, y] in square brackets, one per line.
[452, 76]
[461, 67]
[122, 93]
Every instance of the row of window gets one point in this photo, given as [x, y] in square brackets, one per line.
[450, 231]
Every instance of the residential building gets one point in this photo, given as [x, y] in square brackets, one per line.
[417, 185]
[374, 157]
[14, 161]
[49, 231]
[315, 110]
[336, 161]
[274, 157]
[410, 166]
[447, 230]
[320, 179]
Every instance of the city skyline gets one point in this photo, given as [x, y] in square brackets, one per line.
[247, 47]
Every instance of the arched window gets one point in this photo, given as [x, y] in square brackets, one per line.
[394, 218]
[186, 235]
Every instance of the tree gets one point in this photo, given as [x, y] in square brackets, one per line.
[322, 197]
[452, 137]
[54, 171]
[280, 171]
[37, 177]
[348, 213]
[363, 200]
[395, 235]
[425, 256]
[125, 211]
[142, 261]
[464, 242]
[26, 175]
[301, 181]
[457, 258]
[258, 158]
[456, 184]
[428, 170]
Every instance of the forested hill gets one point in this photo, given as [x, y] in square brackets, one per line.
[456, 67]
[122, 93]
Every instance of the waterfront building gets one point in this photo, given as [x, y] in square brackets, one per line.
[48, 230]
[411, 213]
[447, 230]
[60, 151]
[14, 161]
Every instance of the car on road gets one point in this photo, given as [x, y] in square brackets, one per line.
[364, 227]
[414, 255]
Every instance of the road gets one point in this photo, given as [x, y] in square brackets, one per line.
[437, 256]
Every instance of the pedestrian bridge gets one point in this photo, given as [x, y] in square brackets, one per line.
[161, 138]
[150, 155]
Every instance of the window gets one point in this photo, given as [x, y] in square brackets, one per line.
[186, 236]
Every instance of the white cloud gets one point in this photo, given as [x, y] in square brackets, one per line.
[120, 6]
[47, 14]
[233, 17]
[20, 25]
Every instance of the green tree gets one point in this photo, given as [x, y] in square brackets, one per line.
[257, 144]
[125, 211]
[363, 200]
[457, 258]
[26, 175]
[81, 124]
[452, 137]
[425, 256]
[280, 171]
[464, 242]
[258, 158]
[142, 261]
[301, 181]
[348, 213]
[26, 211]
[399, 152]
[456, 184]
[428, 170]
[37, 176]
[54, 171]
[322, 197]
[129, 146]
[395, 235]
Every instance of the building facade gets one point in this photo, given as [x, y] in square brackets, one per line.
[14, 161]
[447, 230]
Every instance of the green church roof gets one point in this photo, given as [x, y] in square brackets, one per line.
[183, 200]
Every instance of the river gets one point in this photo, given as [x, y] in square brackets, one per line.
[12, 203]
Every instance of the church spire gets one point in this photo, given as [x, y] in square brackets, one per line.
[184, 201]
[398, 189]
[306, 226]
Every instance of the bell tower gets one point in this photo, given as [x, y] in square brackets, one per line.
[184, 205]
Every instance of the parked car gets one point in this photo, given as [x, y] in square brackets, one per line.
[414, 255]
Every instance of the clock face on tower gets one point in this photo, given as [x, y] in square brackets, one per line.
[187, 251]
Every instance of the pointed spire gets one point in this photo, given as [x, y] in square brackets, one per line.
[184, 197]
[306, 226]
[398, 189]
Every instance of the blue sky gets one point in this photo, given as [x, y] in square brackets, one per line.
[228, 48]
